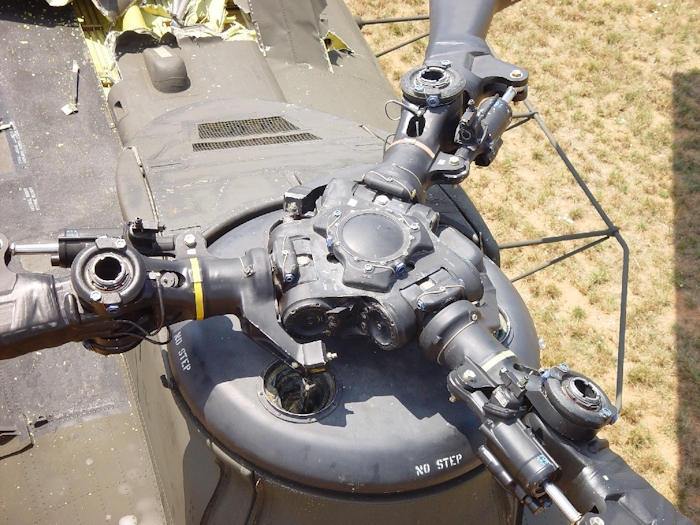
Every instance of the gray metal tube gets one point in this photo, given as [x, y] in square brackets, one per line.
[561, 501]
[48, 247]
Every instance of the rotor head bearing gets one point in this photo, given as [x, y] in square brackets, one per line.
[432, 84]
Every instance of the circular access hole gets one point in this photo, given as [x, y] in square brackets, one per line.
[108, 272]
[289, 391]
[583, 392]
[504, 332]
[108, 268]
[434, 77]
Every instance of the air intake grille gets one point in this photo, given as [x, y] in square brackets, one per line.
[242, 128]
[259, 141]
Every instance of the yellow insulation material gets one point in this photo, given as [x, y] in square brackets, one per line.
[201, 19]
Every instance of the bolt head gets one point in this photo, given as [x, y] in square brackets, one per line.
[433, 101]
[419, 88]
[368, 267]
[95, 296]
[414, 226]
[516, 73]
[336, 213]
[605, 412]
[469, 375]
[454, 161]
[119, 243]
[190, 240]
[288, 277]
[446, 63]
[564, 367]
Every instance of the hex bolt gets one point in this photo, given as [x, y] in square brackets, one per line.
[475, 317]
[112, 308]
[605, 412]
[190, 240]
[445, 63]
[331, 355]
[288, 277]
[469, 375]
[419, 88]
[433, 101]
[516, 73]
[400, 268]
[337, 213]
[414, 226]
[368, 267]
[95, 296]
[454, 161]
[564, 367]
[119, 244]
[382, 200]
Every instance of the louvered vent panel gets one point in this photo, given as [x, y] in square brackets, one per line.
[258, 141]
[242, 128]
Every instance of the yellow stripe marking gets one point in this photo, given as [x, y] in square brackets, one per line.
[197, 285]
[497, 359]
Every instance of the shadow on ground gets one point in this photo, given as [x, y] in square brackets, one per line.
[686, 167]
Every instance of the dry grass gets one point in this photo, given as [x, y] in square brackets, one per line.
[618, 82]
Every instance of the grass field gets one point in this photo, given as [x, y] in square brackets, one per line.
[618, 82]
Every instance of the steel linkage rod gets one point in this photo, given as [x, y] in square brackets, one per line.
[534, 114]
[399, 46]
[559, 259]
[362, 23]
[560, 238]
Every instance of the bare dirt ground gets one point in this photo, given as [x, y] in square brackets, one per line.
[618, 82]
